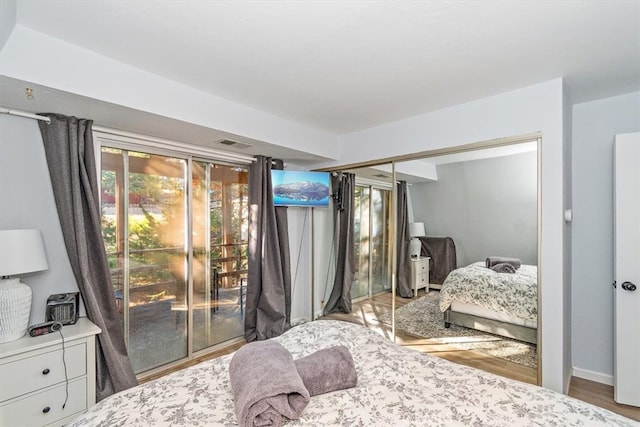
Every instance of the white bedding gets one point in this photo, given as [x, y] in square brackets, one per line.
[514, 295]
[396, 387]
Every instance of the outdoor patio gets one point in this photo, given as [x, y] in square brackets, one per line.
[158, 329]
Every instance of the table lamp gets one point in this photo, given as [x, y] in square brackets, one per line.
[21, 252]
[416, 229]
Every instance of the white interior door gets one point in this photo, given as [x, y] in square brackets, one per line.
[627, 269]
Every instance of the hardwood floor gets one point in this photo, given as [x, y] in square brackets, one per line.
[600, 395]
[366, 313]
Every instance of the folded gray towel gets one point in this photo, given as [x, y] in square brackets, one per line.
[327, 370]
[266, 385]
[503, 268]
[493, 260]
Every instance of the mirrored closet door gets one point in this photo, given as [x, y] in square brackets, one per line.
[473, 205]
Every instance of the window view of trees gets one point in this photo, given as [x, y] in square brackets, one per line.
[228, 210]
[229, 241]
[372, 248]
[154, 219]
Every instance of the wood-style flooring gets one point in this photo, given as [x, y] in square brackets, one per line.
[366, 313]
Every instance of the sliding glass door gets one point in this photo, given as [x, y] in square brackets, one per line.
[220, 224]
[372, 245]
[173, 228]
[380, 243]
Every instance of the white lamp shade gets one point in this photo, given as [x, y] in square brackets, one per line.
[21, 251]
[416, 229]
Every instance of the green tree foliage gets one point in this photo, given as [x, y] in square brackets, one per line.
[156, 220]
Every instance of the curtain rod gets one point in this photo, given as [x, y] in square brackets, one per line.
[19, 113]
[225, 155]
[229, 154]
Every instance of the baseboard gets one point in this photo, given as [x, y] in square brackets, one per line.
[593, 376]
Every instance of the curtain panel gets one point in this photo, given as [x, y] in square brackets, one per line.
[340, 299]
[68, 144]
[268, 304]
[403, 268]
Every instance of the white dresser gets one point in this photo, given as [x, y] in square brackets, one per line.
[34, 387]
[420, 274]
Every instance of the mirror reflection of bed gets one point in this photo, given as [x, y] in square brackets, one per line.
[485, 203]
[497, 296]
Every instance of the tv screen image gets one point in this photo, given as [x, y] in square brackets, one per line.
[300, 188]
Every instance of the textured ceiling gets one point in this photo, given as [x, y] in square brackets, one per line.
[347, 66]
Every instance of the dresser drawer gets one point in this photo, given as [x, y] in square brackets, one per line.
[37, 370]
[419, 268]
[45, 406]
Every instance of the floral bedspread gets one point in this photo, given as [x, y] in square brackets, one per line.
[513, 294]
[396, 387]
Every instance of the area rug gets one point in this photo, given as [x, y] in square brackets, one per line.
[423, 318]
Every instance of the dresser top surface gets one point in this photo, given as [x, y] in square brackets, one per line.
[82, 329]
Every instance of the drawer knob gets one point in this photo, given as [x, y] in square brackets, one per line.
[46, 371]
[46, 409]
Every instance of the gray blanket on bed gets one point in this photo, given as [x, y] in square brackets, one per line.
[266, 385]
[504, 267]
[327, 370]
[495, 260]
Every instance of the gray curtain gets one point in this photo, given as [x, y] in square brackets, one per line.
[268, 309]
[68, 144]
[343, 186]
[403, 272]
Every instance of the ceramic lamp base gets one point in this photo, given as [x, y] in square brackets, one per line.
[15, 308]
[415, 246]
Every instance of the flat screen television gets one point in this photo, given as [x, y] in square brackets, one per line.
[300, 188]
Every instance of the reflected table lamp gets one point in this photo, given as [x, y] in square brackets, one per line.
[21, 252]
[416, 229]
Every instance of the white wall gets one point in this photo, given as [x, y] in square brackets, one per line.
[26, 201]
[323, 258]
[594, 126]
[537, 108]
[488, 207]
[8, 11]
[300, 220]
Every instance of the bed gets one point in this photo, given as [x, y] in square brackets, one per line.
[500, 303]
[396, 386]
